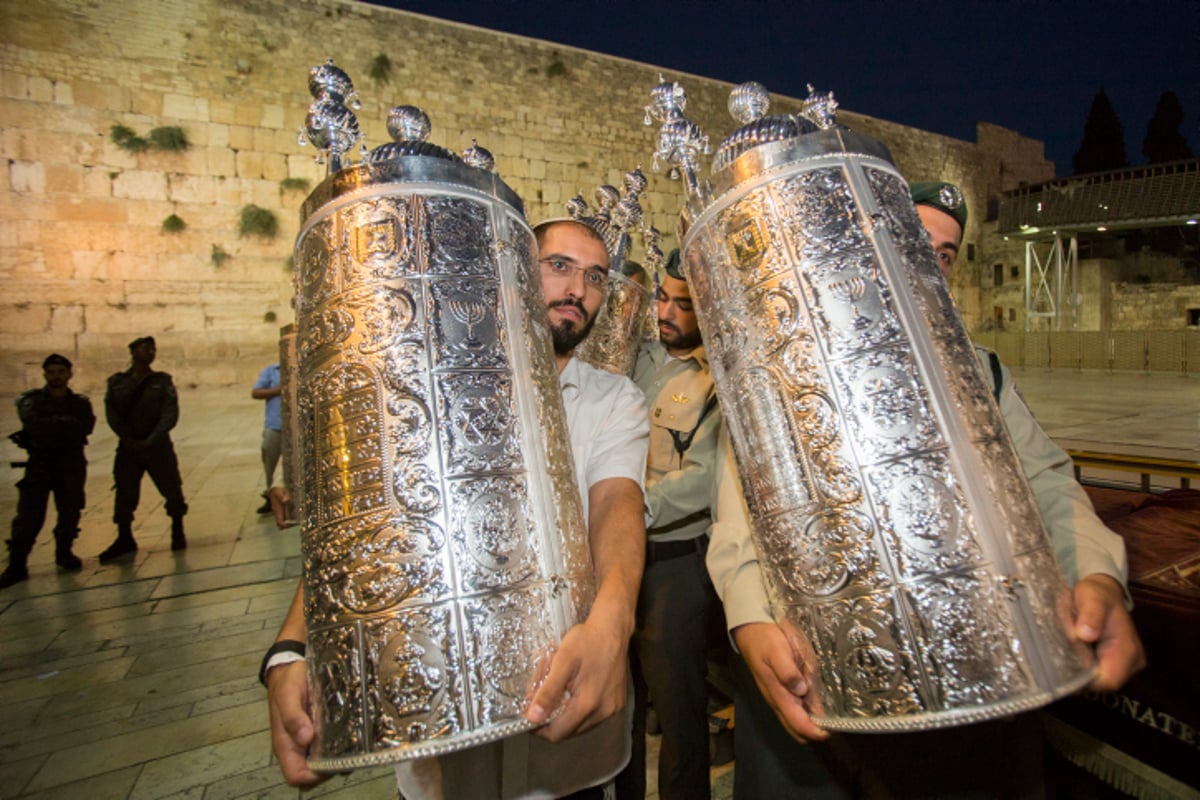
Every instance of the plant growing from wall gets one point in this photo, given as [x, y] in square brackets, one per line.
[380, 69]
[294, 184]
[556, 69]
[173, 224]
[126, 139]
[269, 316]
[258, 221]
[170, 138]
[219, 256]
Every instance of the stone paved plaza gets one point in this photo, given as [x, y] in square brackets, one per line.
[139, 680]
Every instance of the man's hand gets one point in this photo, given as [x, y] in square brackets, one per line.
[781, 676]
[1102, 621]
[587, 677]
[291, 726]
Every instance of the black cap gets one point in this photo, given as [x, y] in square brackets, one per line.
[672, 267]
[55, 358]
[142, 340]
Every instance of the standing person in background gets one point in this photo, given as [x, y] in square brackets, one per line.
[55, 425]
[269, 387]
[677, 601]
[141, 407]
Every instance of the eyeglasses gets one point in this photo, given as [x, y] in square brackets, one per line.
[593, 277]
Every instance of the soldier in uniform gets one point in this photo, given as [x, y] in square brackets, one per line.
[55, 425]
[677, 601]
[141, 407]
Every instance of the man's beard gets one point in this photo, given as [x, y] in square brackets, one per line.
[566, 337]
[678, 341]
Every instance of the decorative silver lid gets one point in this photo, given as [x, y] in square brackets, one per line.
[330, 125]
[409, 127]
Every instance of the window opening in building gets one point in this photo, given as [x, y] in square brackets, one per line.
[998, 275]
[1194, 317]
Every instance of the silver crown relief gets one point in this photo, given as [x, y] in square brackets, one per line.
[617, 217]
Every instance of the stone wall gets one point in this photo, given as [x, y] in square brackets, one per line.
[87, 265]
[1153, 306]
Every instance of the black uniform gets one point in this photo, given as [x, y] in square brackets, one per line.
[54, 430]
[142, 414]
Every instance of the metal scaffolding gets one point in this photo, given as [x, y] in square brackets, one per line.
[1052, 282]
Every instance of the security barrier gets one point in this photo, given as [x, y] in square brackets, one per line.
[1138, 351]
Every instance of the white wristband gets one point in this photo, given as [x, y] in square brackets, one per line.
[279, 659]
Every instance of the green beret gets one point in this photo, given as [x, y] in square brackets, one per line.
[672, 267]
[943, 196]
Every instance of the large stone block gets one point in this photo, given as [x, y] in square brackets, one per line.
[27, 176]
[85, 209]
[64, 178]
[140, 185]
[150, 318]
[191, 188]
[41, 90]
[22, 318]
[180, 106]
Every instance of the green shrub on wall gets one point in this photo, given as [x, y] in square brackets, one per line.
[257, 221]
[294, 184]
[170, 138]
[380, 69]
[173, 224]
[219, 256]
[126, 139]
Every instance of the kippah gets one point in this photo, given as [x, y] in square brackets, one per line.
[141, 340]
[943, 196]
[672, 266]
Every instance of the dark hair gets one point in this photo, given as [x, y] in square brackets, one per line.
[55, 358]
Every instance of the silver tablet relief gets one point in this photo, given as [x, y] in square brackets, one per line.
[443, 540]
[867, 502]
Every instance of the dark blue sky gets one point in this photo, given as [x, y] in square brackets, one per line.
[941, 66]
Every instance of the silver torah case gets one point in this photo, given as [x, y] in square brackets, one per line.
[289, 414]
[444, 547]
[893, 521]
[623, 323]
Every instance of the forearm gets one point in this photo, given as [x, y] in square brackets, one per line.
[617, 533]
[294, 626]
[266, 394]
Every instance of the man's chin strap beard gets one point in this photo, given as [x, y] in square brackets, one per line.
[566, 340]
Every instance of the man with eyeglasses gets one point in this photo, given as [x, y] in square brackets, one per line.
[1001, 758]
[677, 601]
[583, 741]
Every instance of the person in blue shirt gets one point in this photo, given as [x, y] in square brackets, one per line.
[268, 387]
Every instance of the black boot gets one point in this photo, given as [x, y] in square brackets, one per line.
[16, 571]
[122, 546]
[178, 540]
[66, 560]
[13, 575]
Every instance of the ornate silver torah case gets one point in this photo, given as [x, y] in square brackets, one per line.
[892, 518]
[445, 553]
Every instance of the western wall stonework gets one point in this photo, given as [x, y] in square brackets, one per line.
[87, 265]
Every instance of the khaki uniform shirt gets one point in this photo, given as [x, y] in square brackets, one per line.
[1084, 545]
[678, 488]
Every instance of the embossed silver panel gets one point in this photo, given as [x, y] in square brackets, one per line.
[892, 517]
[289, 412]
[620, 327]
[445, 553]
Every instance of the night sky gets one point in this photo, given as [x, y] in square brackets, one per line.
[1033, 67]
